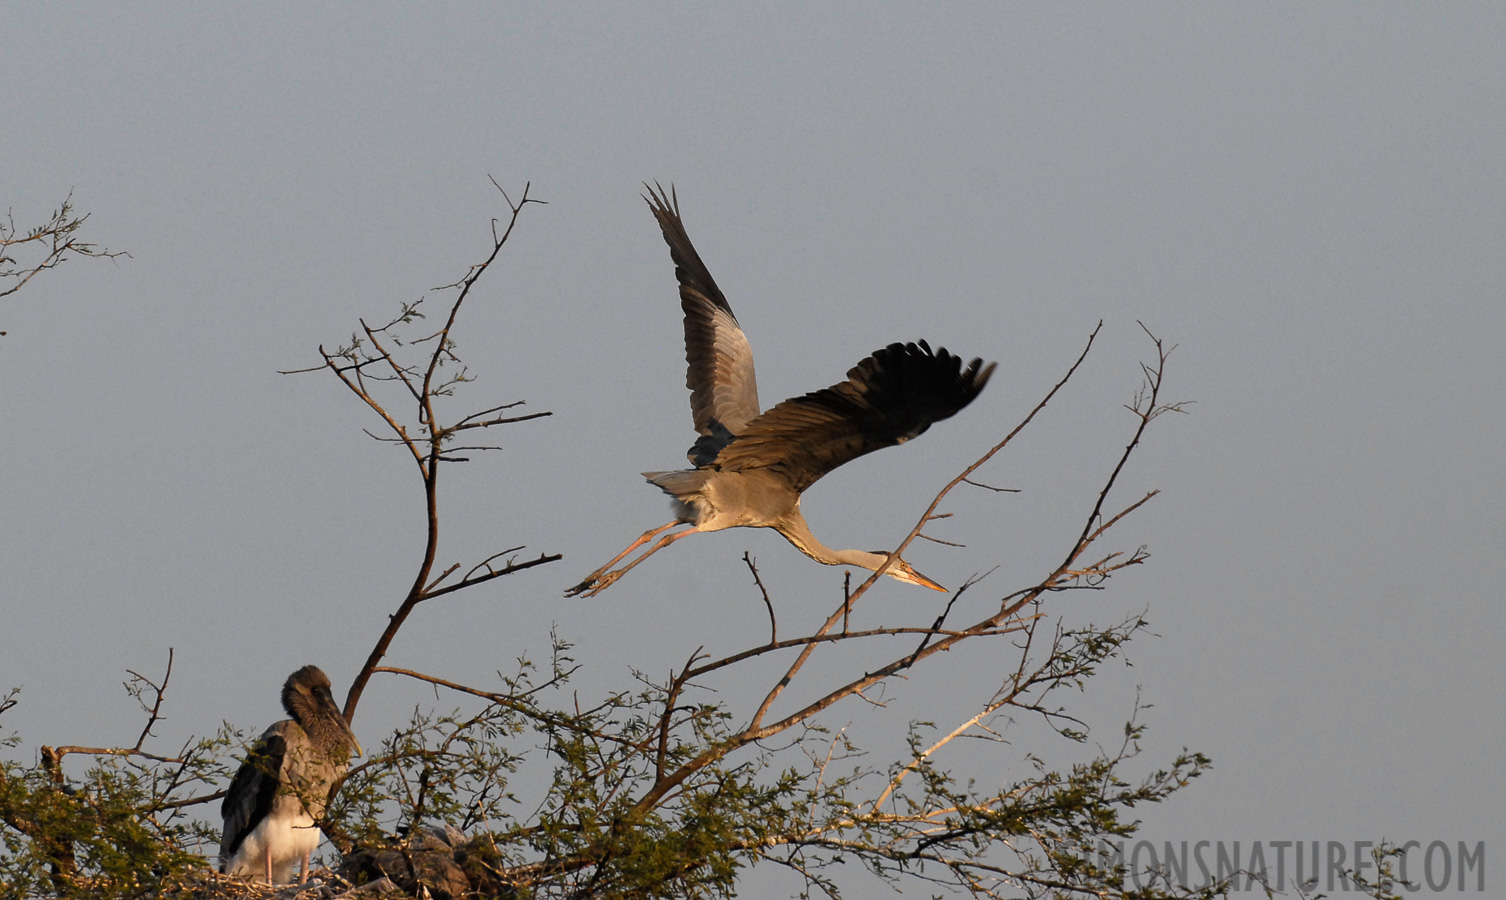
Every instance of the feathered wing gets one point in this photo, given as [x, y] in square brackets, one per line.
[723, 389]
[888, 398]
[251, 794]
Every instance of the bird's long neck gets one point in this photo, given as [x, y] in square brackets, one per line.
[326, 735]
[795, 531]
[325, 731]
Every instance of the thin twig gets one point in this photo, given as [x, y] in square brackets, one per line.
[773, 625]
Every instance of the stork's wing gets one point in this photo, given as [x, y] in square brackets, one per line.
[888, 398]
[723, 391]
[250, 797]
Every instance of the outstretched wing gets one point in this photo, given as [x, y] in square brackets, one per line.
[250, 797]
[888, 398]
[723, 391]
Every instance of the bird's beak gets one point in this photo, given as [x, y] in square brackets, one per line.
[355, 744]
[915, 577]
[340, 717]
[923, 581]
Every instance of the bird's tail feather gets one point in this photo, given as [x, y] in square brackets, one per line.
[684, 486]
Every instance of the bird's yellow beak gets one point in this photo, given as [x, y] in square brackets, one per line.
[923, 581]
[901, 570]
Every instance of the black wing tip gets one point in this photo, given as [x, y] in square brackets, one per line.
[939, 376]
[662, 202]
[690, 271]
[980, 373]
[665, 205]
[975, 372]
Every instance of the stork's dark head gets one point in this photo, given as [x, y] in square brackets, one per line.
[307, 698]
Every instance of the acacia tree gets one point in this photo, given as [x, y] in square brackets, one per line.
[647, 791]
[655, 794]
[122, 830]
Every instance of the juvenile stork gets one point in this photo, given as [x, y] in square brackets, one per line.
[752, 465]
[281, 788]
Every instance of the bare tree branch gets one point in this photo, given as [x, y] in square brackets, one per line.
[429, 443]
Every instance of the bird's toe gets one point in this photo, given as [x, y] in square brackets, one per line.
[594, 586]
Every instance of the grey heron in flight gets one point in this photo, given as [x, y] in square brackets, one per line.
[750, 465]
[280, 791]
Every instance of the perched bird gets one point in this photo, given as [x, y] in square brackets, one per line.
[750, 465]
[281, 788]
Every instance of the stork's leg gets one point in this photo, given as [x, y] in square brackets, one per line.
[268, 854]
[605, 580]
[589, 583]
[303, 870]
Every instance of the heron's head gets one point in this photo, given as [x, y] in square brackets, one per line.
[901, 570]
[307, 698]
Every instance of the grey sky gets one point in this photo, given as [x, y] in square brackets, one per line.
[1309, 200]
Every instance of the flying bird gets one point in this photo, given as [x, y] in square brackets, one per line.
[281, 788]
[751, 466]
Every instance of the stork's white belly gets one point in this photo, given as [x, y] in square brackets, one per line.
[290, 834]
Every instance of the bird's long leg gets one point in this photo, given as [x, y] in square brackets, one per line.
[590, 580]
[303, 870]
[268, 853]
[606, 579]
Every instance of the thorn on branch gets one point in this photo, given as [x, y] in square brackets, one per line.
[927, 537]
[487, 563]
[989, 487]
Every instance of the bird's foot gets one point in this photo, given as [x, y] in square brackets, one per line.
[594, 584]
[586, 585]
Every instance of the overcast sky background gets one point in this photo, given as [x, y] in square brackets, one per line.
[1309, 200]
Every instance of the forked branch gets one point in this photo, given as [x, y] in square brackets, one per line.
[49, 245]
[374, 358]
[138, 687]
